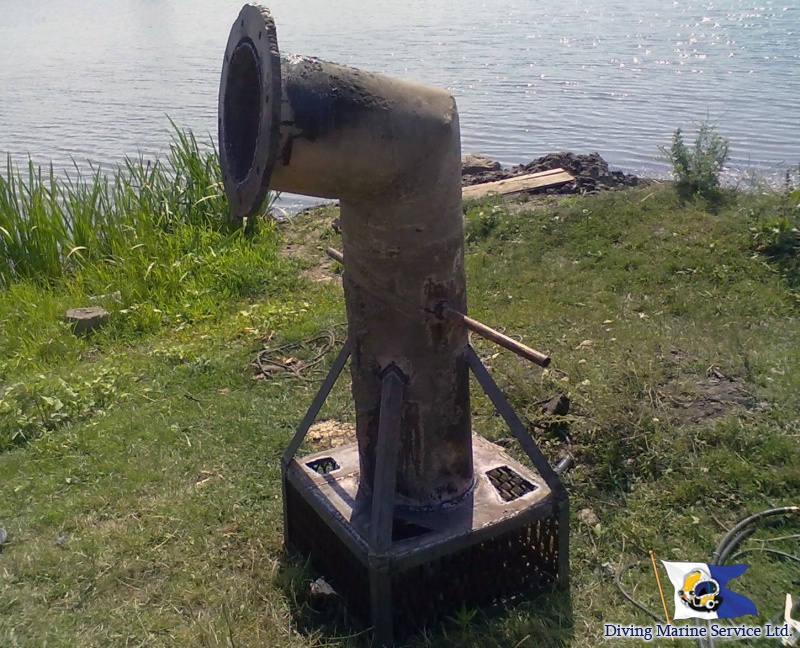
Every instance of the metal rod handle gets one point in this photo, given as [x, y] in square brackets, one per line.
[334, 254]
[444, 310]
[522, 350]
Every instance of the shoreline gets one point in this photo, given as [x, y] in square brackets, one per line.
[592, 173]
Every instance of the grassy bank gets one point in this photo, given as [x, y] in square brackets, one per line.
[139, 467]
[153, 244]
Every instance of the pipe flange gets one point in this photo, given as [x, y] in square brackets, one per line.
[249, 109]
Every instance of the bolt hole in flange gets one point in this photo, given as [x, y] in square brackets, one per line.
[242, 109]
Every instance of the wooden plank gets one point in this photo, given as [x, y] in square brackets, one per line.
[550, 178]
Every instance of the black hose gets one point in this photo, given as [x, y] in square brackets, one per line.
[775, 552]
[732, 539]
[729, 541]
[735, 542]
[618, 576]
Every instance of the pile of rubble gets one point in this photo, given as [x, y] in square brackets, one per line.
[591, 172]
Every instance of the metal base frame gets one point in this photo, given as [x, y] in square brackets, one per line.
[401, 569]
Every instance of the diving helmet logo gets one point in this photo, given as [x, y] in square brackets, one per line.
[700, 592]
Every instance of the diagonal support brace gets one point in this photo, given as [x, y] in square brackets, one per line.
[539, 461]
[516, 426]
[382, 517]
[316, 404]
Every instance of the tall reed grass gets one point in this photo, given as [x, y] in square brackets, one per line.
[153, 243]
[49, 225]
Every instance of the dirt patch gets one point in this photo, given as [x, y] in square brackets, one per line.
[306, 236]
[591, 173]
[322, 271]
[331, 434]
[697, 399]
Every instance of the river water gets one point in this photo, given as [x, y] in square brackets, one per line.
[95, 80]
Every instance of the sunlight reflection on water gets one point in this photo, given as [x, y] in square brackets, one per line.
[95, 81]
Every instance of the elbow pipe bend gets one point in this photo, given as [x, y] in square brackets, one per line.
[390, 151]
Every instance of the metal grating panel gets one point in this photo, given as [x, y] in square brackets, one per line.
[497, 569]
[508, 541]
[515, 563]
[324, 466]
[509, 484]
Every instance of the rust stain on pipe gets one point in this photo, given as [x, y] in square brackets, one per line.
[444, 310]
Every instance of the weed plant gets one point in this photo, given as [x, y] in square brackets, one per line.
[154, 244]
[697, 170]
[776, 233]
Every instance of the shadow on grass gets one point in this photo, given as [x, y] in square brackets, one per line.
[712, 200]
[544, 618]
[322, 618]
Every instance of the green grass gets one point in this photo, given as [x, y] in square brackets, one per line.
[145, 510]
[153, 245]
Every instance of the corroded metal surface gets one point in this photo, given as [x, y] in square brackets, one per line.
[390, 151]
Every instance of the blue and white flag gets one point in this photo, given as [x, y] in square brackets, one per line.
[701, 591]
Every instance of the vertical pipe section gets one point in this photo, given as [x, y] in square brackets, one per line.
[389, 150]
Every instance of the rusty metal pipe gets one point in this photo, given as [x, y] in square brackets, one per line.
[390, 151]
[444, 310]
[334, 254]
